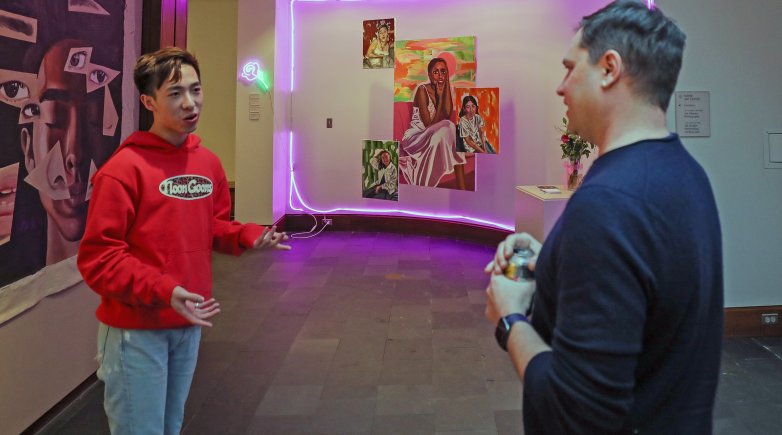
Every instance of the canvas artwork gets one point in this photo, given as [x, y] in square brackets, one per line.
[60, 106]
[478, 128]
[378, 43]
[425, 111]
[380, 160]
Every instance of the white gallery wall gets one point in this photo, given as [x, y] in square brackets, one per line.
[215, 48]
[732, 52]
[519, 48]
[255, 146]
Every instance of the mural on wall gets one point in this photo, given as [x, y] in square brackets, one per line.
[60, 63]
[425, 112]
[478, 128]
[380, 160]
[8, 180]
[378, 51]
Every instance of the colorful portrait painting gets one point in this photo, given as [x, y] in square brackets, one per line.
[478, 128]
[425, 111]
[380, 160]
[378, 43]
[60, 106]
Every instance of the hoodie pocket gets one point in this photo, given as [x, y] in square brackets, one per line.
[193, 269]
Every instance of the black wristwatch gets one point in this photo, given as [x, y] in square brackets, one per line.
[503, 328]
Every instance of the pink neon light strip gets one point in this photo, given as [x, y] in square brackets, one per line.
[295, 189]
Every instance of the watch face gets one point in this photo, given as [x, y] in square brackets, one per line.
[498, 333]
[501, 333]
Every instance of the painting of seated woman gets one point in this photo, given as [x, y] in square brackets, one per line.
[425, 114]
[478, 129]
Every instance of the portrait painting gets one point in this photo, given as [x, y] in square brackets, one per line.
[425, 111]
[478, 127]
[378, 43]
[379, 162]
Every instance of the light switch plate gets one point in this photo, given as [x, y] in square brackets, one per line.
[773, 149]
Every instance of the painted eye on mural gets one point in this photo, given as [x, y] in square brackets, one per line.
[78, 60]
[98, 77]
[14, 90]
[31, 111]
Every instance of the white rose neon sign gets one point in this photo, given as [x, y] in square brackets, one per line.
[254, 73]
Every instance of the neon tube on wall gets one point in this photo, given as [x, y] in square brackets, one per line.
[252, 72]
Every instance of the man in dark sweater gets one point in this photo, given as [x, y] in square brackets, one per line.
[626, 330]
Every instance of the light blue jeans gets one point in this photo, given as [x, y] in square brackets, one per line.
[147, 375]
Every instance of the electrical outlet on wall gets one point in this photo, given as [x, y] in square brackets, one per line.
[769, 318]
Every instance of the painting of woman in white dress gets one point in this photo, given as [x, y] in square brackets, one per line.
[425, 112]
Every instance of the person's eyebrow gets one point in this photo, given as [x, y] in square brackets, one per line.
[179, 87]
[56, 95]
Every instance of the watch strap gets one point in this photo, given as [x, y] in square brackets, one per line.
[503, 328]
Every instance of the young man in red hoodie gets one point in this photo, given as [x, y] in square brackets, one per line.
[159, 206]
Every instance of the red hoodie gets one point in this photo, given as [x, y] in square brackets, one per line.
[155, 214]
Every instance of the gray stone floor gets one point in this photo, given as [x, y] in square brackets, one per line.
[383, 334]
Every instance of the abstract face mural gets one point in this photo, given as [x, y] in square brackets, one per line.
[59, 62]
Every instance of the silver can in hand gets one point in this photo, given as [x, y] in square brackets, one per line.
[518, 264]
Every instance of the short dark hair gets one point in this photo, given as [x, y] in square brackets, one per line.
[153, 69]
[465, 100]
[651, 46]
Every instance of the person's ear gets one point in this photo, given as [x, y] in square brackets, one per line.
[612, 67]
[148, 102]
[27, 150]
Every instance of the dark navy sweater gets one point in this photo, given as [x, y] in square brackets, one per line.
[630, 299]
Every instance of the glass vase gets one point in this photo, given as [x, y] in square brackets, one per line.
[573, 174]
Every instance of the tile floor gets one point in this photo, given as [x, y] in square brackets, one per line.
[374, 333]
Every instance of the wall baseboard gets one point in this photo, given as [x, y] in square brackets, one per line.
[746, 322]
[739, 322]
[66, 408]
[400, 224]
